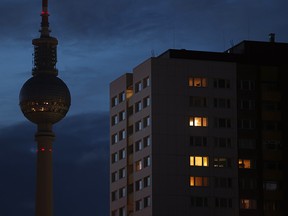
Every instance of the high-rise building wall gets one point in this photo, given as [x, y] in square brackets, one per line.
[201, 133]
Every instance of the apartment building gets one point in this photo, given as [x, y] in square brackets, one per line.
[201, 133]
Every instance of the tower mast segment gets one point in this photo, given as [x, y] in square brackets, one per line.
[44, 100]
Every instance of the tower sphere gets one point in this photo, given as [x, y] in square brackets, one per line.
[44, 98]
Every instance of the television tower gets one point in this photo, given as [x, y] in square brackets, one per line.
[44, 100]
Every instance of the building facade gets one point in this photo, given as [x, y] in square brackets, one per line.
[201, 133]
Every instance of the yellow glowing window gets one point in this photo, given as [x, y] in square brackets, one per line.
[197, 82]
[198, 121]
[198, 181]
[199, 161]
[245, 163]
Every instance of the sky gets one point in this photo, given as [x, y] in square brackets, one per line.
[99, 41]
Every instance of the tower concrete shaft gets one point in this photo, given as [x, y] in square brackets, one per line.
[44, 185]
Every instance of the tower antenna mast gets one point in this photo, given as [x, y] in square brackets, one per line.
[45, 21]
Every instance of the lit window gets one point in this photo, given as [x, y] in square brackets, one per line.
[199, 161]
[138, 87]
[245, 164]
[198, 121]
[139, 165]
[146, 82]
[198, 181]
[248, 204]
[129, 92]
[197, 82]
[114, 101]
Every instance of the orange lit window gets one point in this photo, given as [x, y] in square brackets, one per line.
[248, 204]
[198, 181]
[198, 121]
[245, 163]
[199, 161]
[197, 82]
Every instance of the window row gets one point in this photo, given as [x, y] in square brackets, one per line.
[118, 194]
[118, 99]
[202, 82]
[142, 143]
[118, 155]
[117, 175]
[201, 121]
[115, 119]
[142, 84]
[201, 141]
[143, 163]
[141, 124]
[222, 202]
[119, 212]
[117, 137]
[139, 105]
[142, 183]
[142, 203]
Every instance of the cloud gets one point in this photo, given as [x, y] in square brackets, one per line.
[81, 166]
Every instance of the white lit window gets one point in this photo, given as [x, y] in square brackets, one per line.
[199, 161]
[198, 121]
[197, 82]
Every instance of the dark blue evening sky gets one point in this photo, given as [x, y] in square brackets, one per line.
[99, 41]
